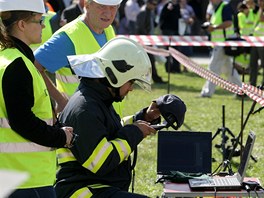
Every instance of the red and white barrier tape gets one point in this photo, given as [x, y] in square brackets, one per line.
[156, 51]
[254, 93]
[160, 40]
[251, 91]
[208, 75]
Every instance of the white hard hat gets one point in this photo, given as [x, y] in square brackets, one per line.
[23, 5]
[108, 2]
[119, 60]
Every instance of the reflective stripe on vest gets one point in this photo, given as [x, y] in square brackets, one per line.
[4, 123]
[16, 152]
[259, 30]
[22, 147]
[75, 31]
[67, 79]
[64, 155]
[216, 19]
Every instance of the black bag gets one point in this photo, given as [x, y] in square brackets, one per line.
[235, 50]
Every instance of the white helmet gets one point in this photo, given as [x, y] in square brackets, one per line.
[108, 2]
[23, 5]
[119, 60]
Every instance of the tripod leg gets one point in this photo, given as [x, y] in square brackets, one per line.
[216, 133]
[230, 132]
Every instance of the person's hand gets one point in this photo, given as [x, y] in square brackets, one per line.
[69, 135]
[152, 112]
[211, 28]
[145, 128]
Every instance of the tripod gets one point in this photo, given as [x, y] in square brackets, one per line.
[237, 139]
[225, 150]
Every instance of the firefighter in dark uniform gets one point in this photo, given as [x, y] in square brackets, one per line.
[99, 164]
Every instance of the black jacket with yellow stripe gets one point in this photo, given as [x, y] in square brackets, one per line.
[101, 154]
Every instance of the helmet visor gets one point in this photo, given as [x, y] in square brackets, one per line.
[144, 81]
[144, 85]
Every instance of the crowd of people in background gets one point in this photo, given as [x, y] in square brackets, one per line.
[163, 18]
[173, 17]
[36, 72]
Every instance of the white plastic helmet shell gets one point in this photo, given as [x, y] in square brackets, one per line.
[122, 59]
[108, 2]
[23, 5]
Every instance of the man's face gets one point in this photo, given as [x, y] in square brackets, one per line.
[100, 16]
[127, 87]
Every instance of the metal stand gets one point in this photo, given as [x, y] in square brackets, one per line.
[237, 140]
[223, 130]
[169, 58]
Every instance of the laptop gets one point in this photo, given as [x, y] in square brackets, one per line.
[184, 151]
[233, 182]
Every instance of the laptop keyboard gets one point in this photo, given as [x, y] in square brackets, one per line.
[226, 181]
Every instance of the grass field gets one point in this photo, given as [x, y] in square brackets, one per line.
[203, 114]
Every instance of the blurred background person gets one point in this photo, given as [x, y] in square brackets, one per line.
[131, 9]
[186, 21]
[169, 23]
[73, 11]
[257, 53]
[145, 25]
[246, 21]
[221, 27]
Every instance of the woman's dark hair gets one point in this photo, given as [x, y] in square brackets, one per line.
[7, 20]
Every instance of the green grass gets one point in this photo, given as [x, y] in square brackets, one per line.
[203, 114]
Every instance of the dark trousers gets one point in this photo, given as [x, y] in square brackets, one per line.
[172, 65]
[155, 76]
[41, 192]
[256, 54]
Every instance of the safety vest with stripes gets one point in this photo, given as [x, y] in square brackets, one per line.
[246, 23]
[219, 35]
[259, 29]
[16, 152]
[84, 43]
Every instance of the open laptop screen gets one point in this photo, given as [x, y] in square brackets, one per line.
[189, 152]
[246, 154]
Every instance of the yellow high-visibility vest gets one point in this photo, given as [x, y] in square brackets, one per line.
[84, 43]
[216, 19]
[16, 152]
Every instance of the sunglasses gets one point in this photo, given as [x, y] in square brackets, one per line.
[41, 21]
